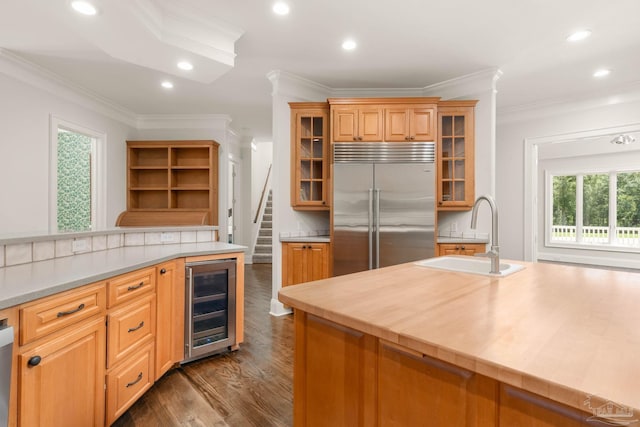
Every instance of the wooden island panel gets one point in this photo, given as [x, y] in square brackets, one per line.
[547, 338]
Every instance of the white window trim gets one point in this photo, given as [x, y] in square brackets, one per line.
[579, 174]
[531, 148]
[98, 170]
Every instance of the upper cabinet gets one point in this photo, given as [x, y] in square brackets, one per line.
[383, 119]
[455, 169]
[171, 183]
[409, 123]
[309, 155]
[354, 123]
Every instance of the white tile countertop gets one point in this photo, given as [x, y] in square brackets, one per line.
[30, 281]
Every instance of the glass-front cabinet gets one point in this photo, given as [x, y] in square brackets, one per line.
[456, 183]
[309, 155]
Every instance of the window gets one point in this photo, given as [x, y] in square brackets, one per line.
[594, 210]
[74, 181]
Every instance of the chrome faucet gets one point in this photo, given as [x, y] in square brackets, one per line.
[494, 253]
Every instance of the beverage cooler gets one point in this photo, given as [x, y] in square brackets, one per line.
[210, 307]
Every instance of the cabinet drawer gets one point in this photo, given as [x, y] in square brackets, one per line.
[128, 327]
[128, 286]
[51, 314]
[128, 382]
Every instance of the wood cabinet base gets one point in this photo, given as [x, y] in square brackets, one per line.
[344, 377]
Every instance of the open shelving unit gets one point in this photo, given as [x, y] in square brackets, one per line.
[171, 183]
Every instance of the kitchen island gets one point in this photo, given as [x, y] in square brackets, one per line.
[549, 345]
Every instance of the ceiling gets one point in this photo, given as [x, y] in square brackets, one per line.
[122, 53]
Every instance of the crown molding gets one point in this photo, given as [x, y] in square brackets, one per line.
[184, 121]
[289, 85]
[624, 94]
[465, 86]
[375, 92]
[20, 69]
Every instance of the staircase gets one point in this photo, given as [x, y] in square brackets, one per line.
[262, 251]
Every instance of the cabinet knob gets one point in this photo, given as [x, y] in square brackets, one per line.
[412, 138]
[34, 361]
[163, 270]
[406, 138]
[463, 248]
[355, 138]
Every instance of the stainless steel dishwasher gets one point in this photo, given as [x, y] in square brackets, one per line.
[6, 353]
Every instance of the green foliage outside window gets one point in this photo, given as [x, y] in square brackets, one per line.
[74, 181]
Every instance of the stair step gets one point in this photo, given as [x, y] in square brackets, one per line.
[265, 232]
[267, 217]
[264, 240]
[266, 224]
[262, 249]
[261, 259]
[268, 211]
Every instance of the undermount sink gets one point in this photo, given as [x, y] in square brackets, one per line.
[469, 264]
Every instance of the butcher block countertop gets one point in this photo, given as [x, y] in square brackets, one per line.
[562, 332]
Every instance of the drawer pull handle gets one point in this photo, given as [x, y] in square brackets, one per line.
[163, 270]
[137, 327]
[75, 310]
[136, 381]
[34, 361]
[138, 286]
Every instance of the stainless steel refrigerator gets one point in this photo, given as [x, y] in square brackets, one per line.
[383, 204]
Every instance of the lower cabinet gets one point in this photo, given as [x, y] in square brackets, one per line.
[332, 367]
[127, 382]
[343, 377]
[461, 248]
[414, 390]
[61, 381]
[170, 295]
[304, 262]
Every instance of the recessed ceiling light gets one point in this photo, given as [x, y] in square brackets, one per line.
[281, 8]
[579, 35]
[601, 73]
[84, 7]
[349, 44]
[167, 84]
[623, 139]
[184, 65]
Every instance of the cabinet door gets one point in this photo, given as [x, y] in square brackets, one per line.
[169, 316]
[62, 380]
[344, 124]
[333, 373]
[472, 249]
[370, 124]
[423, 124]
[396, 124]
[456, 180]
[448, 249]
[309, 158]
[294, 263]
[521, 408]
[417, 390]
[317, 261]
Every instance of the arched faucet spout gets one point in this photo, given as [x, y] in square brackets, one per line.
[494, 253]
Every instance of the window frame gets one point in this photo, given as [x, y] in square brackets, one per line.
[98, 170]
[612, 245]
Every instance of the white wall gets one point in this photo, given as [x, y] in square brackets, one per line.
[26, 105]
[514, 127]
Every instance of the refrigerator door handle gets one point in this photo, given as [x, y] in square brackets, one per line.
[370, 231]
[377, 225]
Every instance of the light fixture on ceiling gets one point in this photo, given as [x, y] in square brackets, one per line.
[603, 72]
[84, 7]
[167, 84]
[579, 35]
[349, 44]
[281, 8]
[185, 65]
[623, 139]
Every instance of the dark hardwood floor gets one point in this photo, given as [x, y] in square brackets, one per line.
[248, 387]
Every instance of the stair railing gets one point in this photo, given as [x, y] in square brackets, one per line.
[264, 190]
